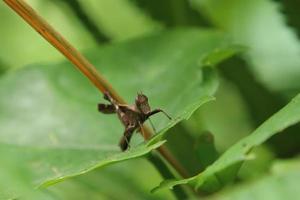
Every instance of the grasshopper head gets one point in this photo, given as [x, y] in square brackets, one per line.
[142, 104]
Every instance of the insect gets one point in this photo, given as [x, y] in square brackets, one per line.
[131, 116]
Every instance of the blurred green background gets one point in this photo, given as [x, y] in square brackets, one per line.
[252, 86]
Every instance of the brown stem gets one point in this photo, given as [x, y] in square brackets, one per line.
[80, 62]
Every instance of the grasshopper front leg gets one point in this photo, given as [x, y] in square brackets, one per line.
[157, 111]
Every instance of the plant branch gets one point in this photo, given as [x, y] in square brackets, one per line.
[81, 63]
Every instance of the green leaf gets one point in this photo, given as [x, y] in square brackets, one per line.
[49, 112]
[282, 183]
[216, 56]
[239, 152]
[259, 25]
[124, 179]
[50, 165]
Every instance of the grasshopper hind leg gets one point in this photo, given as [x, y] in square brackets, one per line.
[125, 140]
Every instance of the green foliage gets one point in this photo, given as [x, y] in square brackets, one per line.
[114, 180]
[59, 131]
[259, 25]
[239, 152]
[280, 183]
[221, 68]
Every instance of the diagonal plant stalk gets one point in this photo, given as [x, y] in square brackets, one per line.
[81, 63]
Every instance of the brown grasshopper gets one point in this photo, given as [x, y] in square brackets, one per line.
[131, 116]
